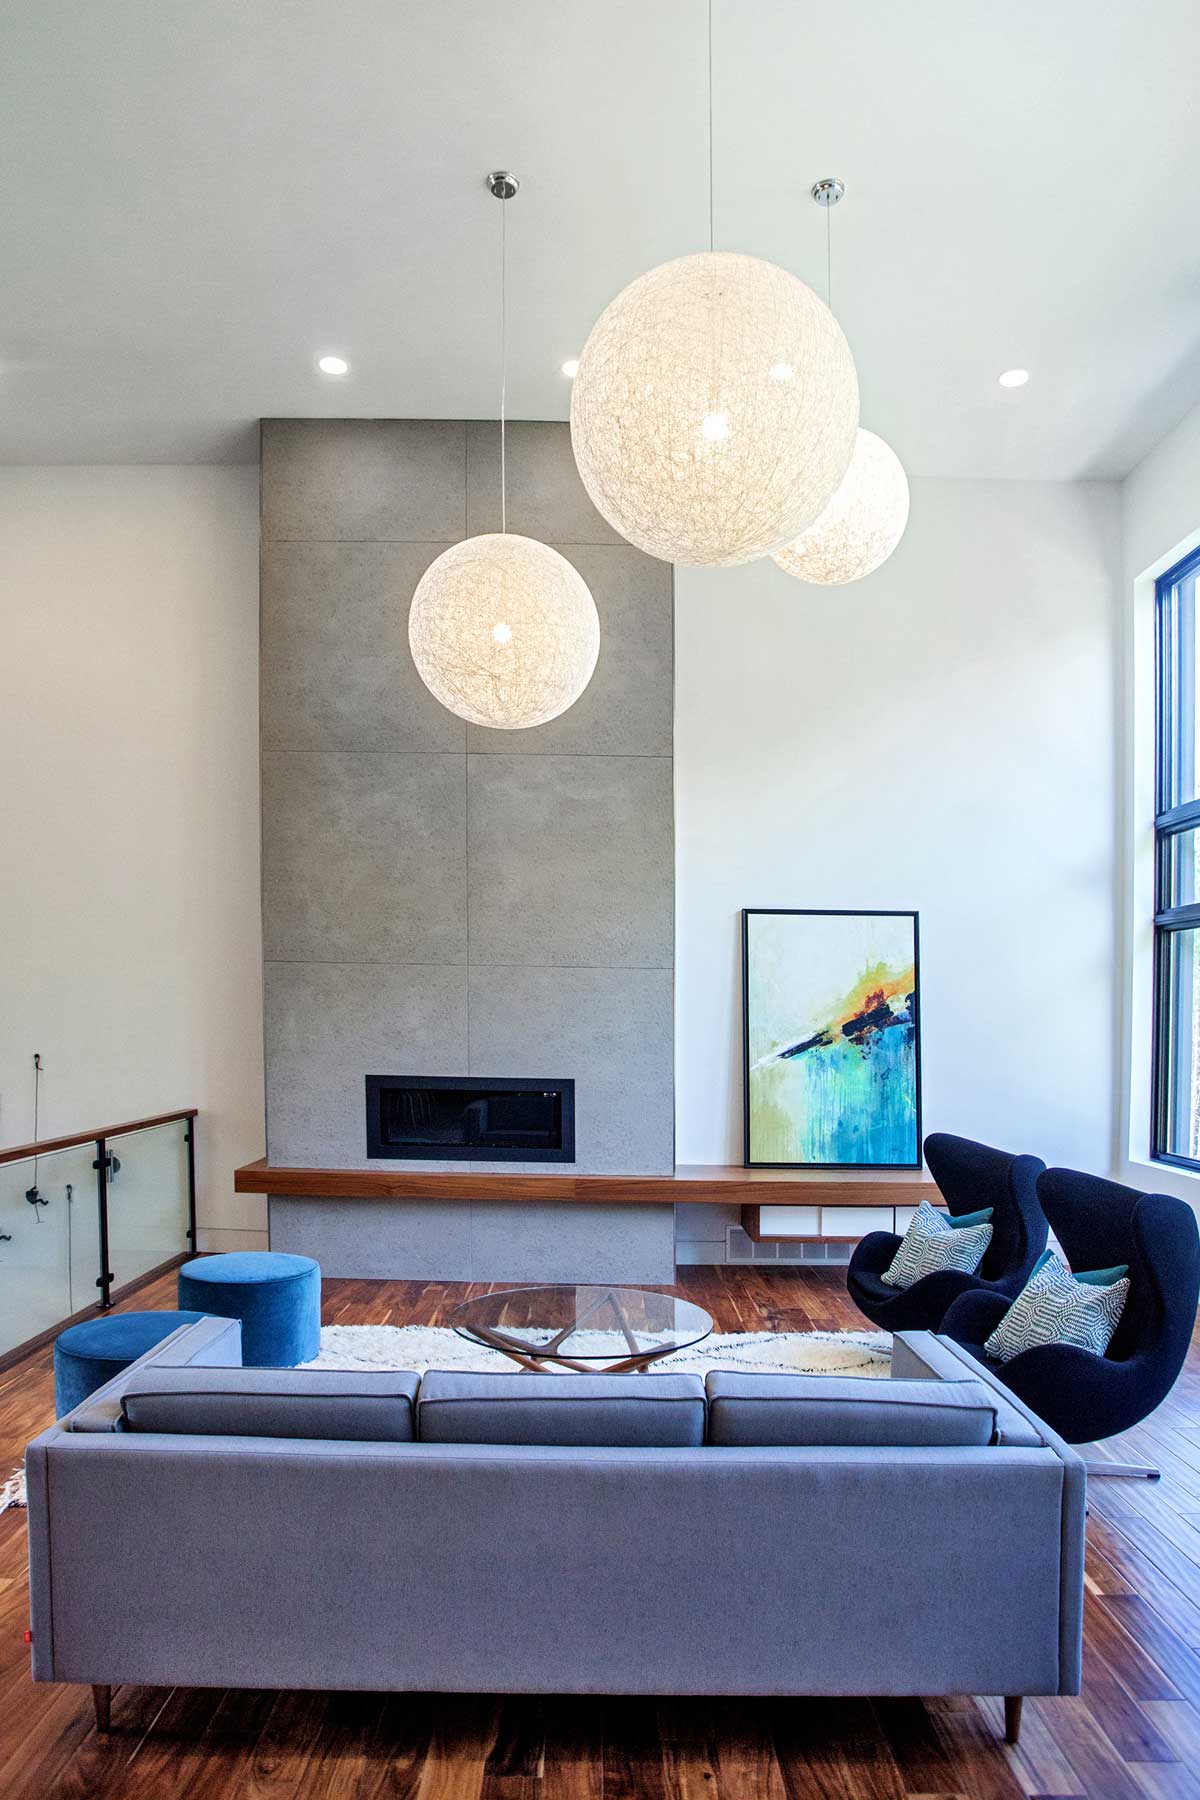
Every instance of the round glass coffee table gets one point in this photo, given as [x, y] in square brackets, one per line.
[596, 1330]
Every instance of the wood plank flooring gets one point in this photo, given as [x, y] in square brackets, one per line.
[1133, 1734]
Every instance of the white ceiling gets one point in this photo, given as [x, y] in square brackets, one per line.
[199, 196]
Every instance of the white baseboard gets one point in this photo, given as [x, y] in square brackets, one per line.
[221, 1237]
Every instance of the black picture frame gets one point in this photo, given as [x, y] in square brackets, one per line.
[829, 912]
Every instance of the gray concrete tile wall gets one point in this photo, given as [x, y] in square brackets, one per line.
[369, 480]
[565, 860]
[478, 1240]
[611, 1029]
[330, 1024]
[337, 673]
[364, 857]
[441, 899]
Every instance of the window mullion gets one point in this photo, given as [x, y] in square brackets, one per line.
[1176, 983]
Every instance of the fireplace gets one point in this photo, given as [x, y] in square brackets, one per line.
[469, 1118]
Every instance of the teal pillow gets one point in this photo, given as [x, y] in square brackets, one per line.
[1093, 1277]
[1103, 1277]
[963, 1221]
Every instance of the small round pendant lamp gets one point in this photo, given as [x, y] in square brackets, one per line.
[714, 412]
[862, 524]
[503, 630]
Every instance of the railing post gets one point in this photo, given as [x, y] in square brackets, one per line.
[105, 1280]
[189, 1138]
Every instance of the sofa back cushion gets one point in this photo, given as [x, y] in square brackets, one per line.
[609, 1411]
[778, 1410]
[288, 1403]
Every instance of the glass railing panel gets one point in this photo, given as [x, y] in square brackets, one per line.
[49, 1254]
[147, 1200]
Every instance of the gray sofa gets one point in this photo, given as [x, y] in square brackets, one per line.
[199, 1523]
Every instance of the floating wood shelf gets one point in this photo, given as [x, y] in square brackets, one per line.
[713, 1184]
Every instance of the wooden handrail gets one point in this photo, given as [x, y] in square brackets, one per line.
[46, 1146]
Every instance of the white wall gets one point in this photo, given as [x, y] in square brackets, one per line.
[129, 881]
[1161, 524]
[941, 736]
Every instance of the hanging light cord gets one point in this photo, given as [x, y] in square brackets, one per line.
[503, 360]
[829, 258]
[711, 237]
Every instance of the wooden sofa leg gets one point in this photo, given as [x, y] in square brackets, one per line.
[102, 1701]
[1012, 1718]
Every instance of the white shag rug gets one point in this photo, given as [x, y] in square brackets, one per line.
[421, 1347]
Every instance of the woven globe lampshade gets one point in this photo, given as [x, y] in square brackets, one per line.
[504, 631]
[714, 411]
[862, 524]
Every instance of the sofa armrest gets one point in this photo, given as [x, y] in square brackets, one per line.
[949, 1355]
[210, 1342]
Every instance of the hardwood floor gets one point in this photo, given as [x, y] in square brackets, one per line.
[1133, 1734]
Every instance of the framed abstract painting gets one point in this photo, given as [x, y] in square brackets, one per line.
[832, 1039]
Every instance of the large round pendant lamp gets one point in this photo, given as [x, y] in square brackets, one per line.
[503, 630]
[714, 412]
[862, 524]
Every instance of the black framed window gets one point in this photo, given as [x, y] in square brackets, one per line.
[1176, 1111]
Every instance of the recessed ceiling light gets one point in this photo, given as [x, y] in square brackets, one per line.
[333, 365]
[1013, 378]
[571, 368]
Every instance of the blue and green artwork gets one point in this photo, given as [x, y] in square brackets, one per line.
[832, 1047]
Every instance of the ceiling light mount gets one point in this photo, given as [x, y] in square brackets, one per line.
[828, 192]
[502, 185]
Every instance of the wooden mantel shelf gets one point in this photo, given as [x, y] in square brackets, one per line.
[714, 1184]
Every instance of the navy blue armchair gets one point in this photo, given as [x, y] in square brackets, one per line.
[1080, 1395]
[970, 1176]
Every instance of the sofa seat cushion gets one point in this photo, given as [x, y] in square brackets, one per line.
[921, 1356]
[604, 1411]
[778, 1410]
[280, 1403]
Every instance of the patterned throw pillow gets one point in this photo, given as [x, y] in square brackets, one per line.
[1056, 1307]
[932, 1243]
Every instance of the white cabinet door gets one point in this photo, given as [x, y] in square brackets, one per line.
[789, 1221]
[855, 1221]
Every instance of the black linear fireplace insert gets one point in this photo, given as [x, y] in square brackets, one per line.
[469, 1118]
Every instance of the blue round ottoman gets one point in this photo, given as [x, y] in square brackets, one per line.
[276, 1297]
[88, 1355]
